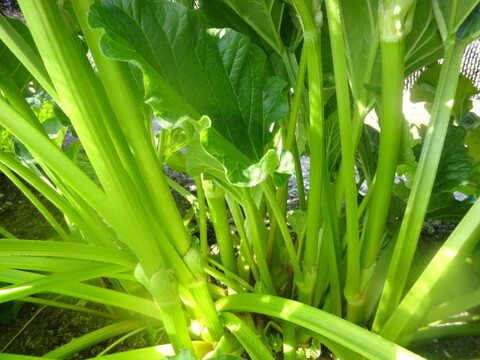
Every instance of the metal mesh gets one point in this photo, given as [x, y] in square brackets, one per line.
[470, 67]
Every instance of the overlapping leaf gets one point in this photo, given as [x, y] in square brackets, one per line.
[10, 66]
[191, 71]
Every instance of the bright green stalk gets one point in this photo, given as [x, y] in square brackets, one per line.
[67, 250]
[7, 234]
[218, 212]
[201, 215]
[45, 283]
[289, 341]
[290, 142]
[15, 97]
[422, 185]
[316, 142]
[359, 340]
[465, 301]
[58, 304]
[44, 149]
[88, 292]
[257, 232]
[26, 55]
[95, 337]
[278, 213]
[249, 340]
[84, 100]
[352, 286]
[413, 309]
[392, 42]
[164, 288]
[126, 107]
[245, 255]
[35, 201]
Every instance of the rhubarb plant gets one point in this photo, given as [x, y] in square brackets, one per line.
[243, 92]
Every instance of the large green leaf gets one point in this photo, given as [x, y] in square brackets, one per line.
[455, 164]
[464, 8]
[359, 35]
[425, 88]
[261, 16]
[191, 71]
[423, 44]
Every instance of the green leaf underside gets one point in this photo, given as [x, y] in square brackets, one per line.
[191, 71]
[455, 163]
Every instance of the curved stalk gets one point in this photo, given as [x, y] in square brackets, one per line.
[359, 340]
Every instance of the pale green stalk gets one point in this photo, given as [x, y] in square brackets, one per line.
[352, 286]
[249, 340]
[360, 340]
[311, 29]
[257, 234]
[411, 313]
[83, 100]
[245, 258]
[127, 108]
[392, 41]
[282, 224]
[218, 212]
[36, 202]
[422, 185]
[201, 215]
[26, 55]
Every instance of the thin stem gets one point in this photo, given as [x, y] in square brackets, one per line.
[35, 201]
[277, 211]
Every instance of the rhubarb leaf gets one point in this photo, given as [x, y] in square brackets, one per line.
[190, 71]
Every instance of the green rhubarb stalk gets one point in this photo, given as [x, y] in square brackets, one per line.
[164, 289]
[352, 286]
[392, 42]
[246, 336]
[423, 183]
[282, 224]
[218, 212]
[126, 108]
[201, 215]
[412, 312]
[311, 21]
[360, 340]
[257, 233]
[36, 202]
[27, 56]
[245, 257]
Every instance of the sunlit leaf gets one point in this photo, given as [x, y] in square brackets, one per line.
[214, 73]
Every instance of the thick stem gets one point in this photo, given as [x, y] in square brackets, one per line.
[352, 286]
[218, 212]
[422, 185]
[316, 142]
